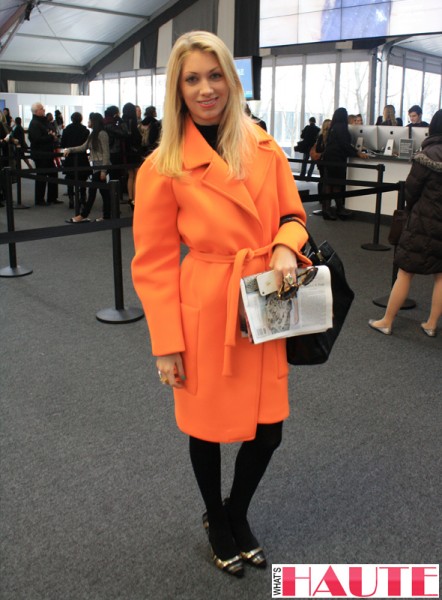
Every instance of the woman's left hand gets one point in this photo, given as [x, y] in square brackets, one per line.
[283, 262]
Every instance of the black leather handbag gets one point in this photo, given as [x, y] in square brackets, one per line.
[315, 348]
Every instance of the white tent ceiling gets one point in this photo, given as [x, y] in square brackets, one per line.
[69, 35]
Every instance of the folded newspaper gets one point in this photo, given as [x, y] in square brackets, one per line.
[264, 317]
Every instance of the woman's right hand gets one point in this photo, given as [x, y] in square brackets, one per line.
[66, 152]
[171, 370]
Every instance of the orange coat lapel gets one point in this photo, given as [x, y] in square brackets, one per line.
[197, 153]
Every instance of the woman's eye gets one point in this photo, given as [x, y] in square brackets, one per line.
[216, 75]
[191, 79]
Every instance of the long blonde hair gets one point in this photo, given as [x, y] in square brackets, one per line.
[236, 135]
[390, 114]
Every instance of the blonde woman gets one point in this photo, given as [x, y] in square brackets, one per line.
[389, 116]
[219, 184]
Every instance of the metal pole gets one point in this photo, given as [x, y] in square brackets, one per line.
[375, 245]
[118, 314]
[13, 270]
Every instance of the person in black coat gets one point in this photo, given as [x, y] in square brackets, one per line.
[43, 141]
[309, 135]
[131, 147]
[337, 149]
[73, 135]
[419, 250]
[150, 129]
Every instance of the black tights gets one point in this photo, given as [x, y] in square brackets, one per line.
[251, 463]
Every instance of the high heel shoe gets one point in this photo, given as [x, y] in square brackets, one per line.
[384, 330]
[232, 566]
[254, 557]
[429, 332]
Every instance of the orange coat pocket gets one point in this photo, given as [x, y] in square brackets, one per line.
[190, 320]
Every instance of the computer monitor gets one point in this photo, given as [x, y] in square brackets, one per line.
[418, 135]
[387, 133]
[368, 133]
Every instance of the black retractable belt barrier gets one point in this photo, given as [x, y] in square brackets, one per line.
[13, 270]
[383, 301]
[119, 314]
[375, 245]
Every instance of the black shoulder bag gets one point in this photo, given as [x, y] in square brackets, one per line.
[315, 348]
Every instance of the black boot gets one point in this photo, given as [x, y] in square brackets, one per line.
[327, 213]
[341, 211]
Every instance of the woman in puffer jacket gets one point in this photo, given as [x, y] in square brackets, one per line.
[420, 246]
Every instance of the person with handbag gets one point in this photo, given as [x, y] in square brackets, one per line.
[419, 249]
[219, 184]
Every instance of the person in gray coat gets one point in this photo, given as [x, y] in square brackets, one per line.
[98, 145]
[419, 250]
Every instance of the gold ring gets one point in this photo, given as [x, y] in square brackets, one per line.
[289, 279]
[163, 378]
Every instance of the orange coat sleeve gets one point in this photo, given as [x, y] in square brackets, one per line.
[156, 265]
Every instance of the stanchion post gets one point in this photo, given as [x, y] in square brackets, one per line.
[383, 301]
[19, 154]
[375, 245]
[13, 270]
[118, 314]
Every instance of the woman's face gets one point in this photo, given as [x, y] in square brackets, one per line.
[204, 88]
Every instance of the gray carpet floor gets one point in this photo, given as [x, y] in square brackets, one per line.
[98, 500]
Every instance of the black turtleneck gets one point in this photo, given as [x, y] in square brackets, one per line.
[210, 134]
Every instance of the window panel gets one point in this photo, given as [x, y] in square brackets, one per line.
[111, 92]
[144, 91]
[288, 95]
[432, 96]
[319, 92]
[353, 88]
[412, 91]
[127, 90]
[394, 87]
[160, 92]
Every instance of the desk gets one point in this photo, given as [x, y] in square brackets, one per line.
[396, 169]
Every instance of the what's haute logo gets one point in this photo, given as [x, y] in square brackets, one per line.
[355, 581]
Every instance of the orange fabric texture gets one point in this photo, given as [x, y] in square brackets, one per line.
[230, 227]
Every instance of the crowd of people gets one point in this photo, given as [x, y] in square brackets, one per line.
[126, 141]
[332, 143]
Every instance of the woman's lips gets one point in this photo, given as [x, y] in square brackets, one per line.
[208, 103]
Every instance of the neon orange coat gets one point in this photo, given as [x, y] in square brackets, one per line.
[230, 227]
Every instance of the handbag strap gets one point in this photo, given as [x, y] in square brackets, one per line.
[314, 247]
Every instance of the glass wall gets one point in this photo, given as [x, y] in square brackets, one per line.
[96, 93]
[295, 88]
[432, 95]
[128, 90]
[353, 88]
[288, 98]
[144, 91]
[412, 90]
[112, 92]
[319, 92]
[394, 89]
